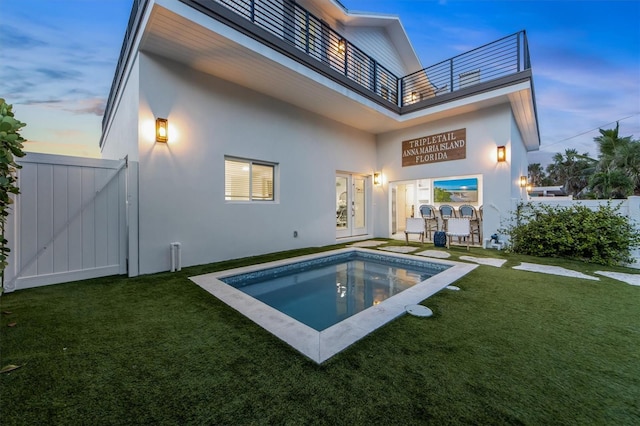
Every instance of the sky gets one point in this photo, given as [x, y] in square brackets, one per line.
[58, 57]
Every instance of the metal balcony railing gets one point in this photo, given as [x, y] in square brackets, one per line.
[501, 58]
[299, 28]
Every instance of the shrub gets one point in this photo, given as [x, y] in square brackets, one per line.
[601, 236]
[10, 147]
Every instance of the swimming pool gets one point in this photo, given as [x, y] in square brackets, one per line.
[324, 291]
[319, 340]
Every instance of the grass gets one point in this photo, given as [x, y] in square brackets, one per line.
[512, 347]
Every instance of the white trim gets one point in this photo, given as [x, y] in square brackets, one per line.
[63, 277]
[66, 160]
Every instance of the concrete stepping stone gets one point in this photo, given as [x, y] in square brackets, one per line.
[399, 249]
[489, 261]
[631, 279]
[554, 270]
[419, 311]
[369, 243]
[433, 253]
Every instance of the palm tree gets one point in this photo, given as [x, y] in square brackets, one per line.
[627, 159]
[536, 174]
[619, 156]
[609, 140]
[611, 184]
[571, 170]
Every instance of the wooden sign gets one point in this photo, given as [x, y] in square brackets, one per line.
[435, 148]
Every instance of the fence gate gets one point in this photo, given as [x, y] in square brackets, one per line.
[69, 221]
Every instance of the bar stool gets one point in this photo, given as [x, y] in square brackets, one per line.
[428, 213]
[446, 212]
[469, 212]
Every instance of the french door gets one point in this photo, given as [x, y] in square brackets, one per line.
[351, 204]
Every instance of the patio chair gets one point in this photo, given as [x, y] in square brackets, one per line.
[446, 212]
[415, 225]
[430, 217]
[458, 227]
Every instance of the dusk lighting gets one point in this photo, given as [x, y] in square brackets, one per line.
[162, 130]
[502, 154]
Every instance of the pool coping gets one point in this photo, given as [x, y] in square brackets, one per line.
[319, 346]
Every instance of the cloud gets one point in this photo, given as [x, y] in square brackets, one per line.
[579, 91]
[92, 106]
[14, 37]
[73, 68]
[59, 74]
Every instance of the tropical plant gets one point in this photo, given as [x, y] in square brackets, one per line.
[617, 174]
[601, 236]
[10, 148]
[611, 183]
[571, 170]
[536, 174]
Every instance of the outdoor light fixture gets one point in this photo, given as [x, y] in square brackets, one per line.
[162, 130]
[529, 187]
[414, 96]
[342, 45]
[523, 181]
[502, 153]
[377, 178]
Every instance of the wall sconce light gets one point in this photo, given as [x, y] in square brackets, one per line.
[377, 178]
[502, 153]
[523, 181]
[529, 188]
[414, 96]
[162, 130]
[342, 45]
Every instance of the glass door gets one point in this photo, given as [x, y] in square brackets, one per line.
[351, 205]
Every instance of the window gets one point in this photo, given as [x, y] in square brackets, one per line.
[247, 180]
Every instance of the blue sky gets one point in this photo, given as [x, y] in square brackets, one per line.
[58, 58]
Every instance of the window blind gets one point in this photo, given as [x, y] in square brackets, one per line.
[246, 180]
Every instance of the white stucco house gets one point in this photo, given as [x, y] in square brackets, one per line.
[281, 115]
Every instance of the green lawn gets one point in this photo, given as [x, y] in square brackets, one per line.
[511, 347]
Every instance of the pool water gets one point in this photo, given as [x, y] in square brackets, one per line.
[325, 291]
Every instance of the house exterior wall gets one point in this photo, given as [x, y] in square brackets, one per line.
[182, 182]
[485, 130]
[518, 161]
[377, 41]
[122, 134]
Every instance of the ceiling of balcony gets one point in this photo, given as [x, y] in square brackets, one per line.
[194, 39]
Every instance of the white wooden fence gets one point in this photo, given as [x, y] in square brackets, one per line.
[69, 221]
[629, 208]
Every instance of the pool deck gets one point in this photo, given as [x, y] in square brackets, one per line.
[319, 346]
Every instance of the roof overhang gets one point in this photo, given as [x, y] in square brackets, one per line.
[180, 33]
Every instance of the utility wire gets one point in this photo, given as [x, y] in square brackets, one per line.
[589, 131]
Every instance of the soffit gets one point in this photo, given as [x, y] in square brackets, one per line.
[197, 42]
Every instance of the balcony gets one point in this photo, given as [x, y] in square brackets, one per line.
[499, 59]
[291, 30]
